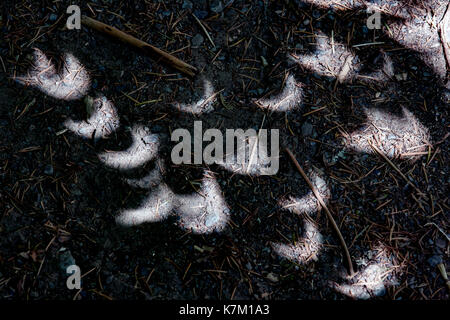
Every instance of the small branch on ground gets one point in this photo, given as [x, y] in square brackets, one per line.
[322, 203]
[445, 34]
[147, 48]
[444, 274]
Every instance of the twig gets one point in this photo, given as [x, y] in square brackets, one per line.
[204, 30]
[422, 195]
[329, 215]
[444, 274]
[394, 167]
[147, 48]
[440, 230]
[445, 31]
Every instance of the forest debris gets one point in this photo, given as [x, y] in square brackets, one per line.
[345, 69]
[204, 30]
[394, 167]
[445, 34]
[272, 277]
[322, 203]
[444, 274]
[147, 48]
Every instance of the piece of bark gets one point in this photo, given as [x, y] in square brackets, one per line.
[153, 51]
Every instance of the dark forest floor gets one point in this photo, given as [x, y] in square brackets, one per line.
[273, 60]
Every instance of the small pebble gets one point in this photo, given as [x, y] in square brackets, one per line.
[434, 260]
[272, 277]
[197, 40]
[201, 14]
[307, 129]
[48, 170]
[216, 6]
[187, 5]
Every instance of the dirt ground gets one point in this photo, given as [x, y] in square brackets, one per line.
[364, 111]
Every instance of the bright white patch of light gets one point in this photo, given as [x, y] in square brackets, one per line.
[332, 60]
[205, 212]
[157, 206]
[372, 280]
[405, 32]
[103, 121]
[336, 4]
[308, 247]
[255, 153]
[406, 29]
[308, 204]
[258, 166]
[253, 169]
[379, 5]
[144, 148]
[71, 83]
[204, 105]
[403, 137]
[287, 100]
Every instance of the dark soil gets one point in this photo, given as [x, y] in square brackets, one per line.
[59, 202]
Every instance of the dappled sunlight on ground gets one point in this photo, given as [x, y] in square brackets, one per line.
[308, 247]
[202, 212]
[70, 83]
[376, 274]
[204, 105]
[103, 121]
[143, 149]
[330, 59]
[409, 31]
[406, 33]
[305, 249]
[335, 60]
[308, 204]
[290, 98]
[156, 207]
[395, 136]
[381, 76]
[335, 4]
[206, 211]
[256, 158]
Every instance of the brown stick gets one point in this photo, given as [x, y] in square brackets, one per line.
[147, 48]
[445, 32]
[322, 203]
